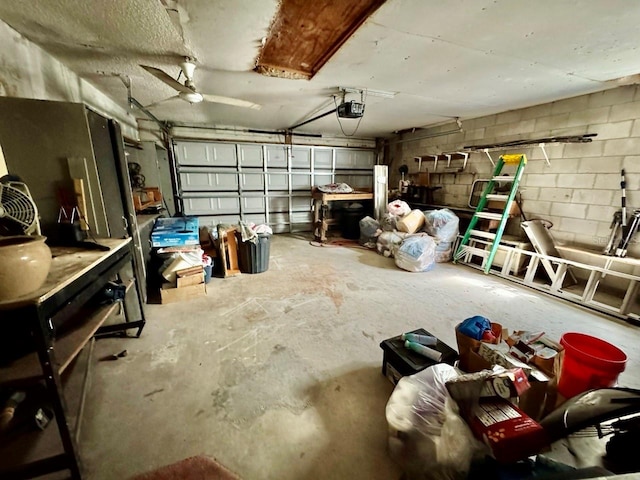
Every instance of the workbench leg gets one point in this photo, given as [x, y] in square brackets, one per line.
[44, 346]
[317, 220]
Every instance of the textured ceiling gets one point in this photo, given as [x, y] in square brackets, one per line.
[462, 58]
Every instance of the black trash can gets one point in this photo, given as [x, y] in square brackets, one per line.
[350, 221]
[254, 257]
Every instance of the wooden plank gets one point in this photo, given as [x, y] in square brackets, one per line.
[185, 272]
[87, 170]
[188, 280]
[305, 35]
[232, 254]
[78, 187]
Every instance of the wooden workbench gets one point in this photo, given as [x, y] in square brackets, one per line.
[321, 202]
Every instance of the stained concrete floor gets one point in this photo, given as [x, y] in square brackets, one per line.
[277, 375]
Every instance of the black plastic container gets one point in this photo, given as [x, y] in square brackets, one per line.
[398, 361]
[350, 222]
[254, 257]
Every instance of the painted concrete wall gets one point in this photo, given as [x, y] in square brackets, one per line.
[579, 191]
[27, 71]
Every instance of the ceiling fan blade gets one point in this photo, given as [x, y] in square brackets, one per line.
[166, 78]
[155, 104]
[236, 102]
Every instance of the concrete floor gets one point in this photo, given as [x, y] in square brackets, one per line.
[277, 375]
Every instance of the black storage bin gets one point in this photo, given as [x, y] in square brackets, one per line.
[398, 361]
[350, 222]
[254, 257]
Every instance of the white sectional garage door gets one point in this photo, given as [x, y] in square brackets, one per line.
[224, 182]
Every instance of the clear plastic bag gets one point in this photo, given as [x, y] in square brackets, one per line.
[442, 225]
[416, 253]
[388, 243]
[427, 436]
[369, 231]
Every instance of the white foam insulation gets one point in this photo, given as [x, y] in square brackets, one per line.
[444, 59]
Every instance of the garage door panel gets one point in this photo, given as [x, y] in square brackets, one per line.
[208, 181]
[301, 157]
[301, 181]
[278, 204]
[322, 159]
[255, 218]
[206, 154]
[354, 159]
[211, 205]
[323, 178]
[250, 155]
[253, 204]
[301, 204]
[276, 157]
[278, 181]
[252, 181]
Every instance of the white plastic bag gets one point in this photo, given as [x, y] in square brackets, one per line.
[398, 208]
[389, 222]
[388, 243]
[369, 231]
[416, 253]
[441, 224]
[427, 436]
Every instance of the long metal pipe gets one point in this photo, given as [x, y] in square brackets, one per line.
[317, 117]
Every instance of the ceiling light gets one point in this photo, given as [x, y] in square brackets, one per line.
[368, 92]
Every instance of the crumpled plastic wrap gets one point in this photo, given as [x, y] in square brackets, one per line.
[369, 231]
[416, 253]
[389, 222]
[427, 436]
[388, 242]
[335, 188]
[398, 208]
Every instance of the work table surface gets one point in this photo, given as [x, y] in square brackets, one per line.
[67, 264]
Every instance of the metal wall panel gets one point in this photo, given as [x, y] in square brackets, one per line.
[277, 156]
[301, 157]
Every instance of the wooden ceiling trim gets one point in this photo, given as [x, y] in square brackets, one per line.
[305, 35]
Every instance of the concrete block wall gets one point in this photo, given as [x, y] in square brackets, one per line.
[578, 192]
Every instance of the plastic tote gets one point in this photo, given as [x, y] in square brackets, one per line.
[254, 257]
[588, 363]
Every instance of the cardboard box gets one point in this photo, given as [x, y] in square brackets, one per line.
[537, 401]
[499, 355]
[175, 232]
[189, 276]
[510, 433]
[468, 344]
[170, 294]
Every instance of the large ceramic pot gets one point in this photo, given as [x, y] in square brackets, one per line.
[24, 265]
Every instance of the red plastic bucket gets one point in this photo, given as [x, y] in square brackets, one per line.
[588, 363]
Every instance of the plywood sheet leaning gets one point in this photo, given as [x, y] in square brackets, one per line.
[228, 251]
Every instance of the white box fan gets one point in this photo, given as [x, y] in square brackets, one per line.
[18, 208]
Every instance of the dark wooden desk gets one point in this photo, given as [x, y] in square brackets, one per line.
[76, 276]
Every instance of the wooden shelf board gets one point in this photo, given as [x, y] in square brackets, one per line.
[66, 347]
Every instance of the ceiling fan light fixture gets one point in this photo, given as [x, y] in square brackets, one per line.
[191, 97]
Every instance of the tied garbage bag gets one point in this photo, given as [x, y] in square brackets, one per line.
[398, 208]
[388, 242]
[427, 436]
[369, 231]
[416, 253]
[443, 226]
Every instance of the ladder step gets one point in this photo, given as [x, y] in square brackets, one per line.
[489, 215]
[483, 234]
[474, 251]
[495, 196]
[504, 178]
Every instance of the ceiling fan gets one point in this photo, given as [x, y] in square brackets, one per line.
[188, 91]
